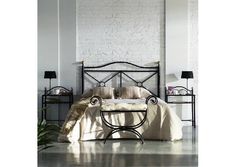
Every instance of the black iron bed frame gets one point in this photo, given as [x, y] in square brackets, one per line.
[154, 70]
[87, 70]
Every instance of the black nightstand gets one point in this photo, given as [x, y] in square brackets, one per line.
[56, 95]
[180, 91]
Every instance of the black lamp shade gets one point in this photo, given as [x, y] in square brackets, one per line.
[187, 74]
[50, 74]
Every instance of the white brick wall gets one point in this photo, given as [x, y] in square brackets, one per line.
[127, 30]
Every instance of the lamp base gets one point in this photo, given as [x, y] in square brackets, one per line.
[187, 83]
[49, 83]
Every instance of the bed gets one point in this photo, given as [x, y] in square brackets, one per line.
[84, 122]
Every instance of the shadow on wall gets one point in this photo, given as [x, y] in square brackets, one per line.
[78, 80]
[171, 78]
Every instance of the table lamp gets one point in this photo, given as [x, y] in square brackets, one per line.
[187, 75]
[50, 75]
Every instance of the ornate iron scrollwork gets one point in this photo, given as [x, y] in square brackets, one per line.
[179, 90]
[96, 99]
[152, 98]
[139, 84]
[102, 84]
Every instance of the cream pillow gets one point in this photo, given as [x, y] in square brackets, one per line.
[130, 92]
[104, 92]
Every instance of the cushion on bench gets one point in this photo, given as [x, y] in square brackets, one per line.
[124, 105]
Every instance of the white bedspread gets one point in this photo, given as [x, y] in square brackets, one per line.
[123, 104]
[84, 122]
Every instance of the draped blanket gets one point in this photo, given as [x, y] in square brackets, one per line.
[83, 122]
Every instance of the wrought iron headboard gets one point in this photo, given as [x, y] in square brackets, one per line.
[86, 70]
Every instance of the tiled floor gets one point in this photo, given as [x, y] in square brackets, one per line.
[122, 153]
